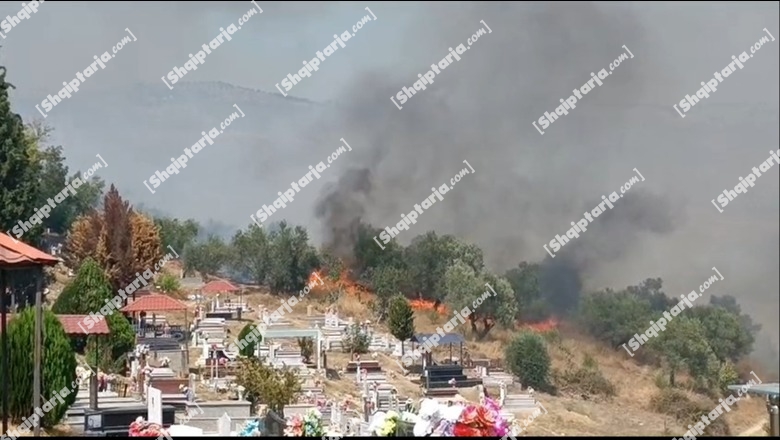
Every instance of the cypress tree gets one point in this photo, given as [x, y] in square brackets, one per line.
[401, 319]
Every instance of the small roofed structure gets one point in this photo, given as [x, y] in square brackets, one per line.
[223, 286]
[16, 255]
[70, 323]
[155, 303]
[160, 303]
[219, 286]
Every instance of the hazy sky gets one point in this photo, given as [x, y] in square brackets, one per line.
[65, 35]
[527, 188]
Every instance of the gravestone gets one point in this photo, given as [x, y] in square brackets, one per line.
[224, 425]
[154, 405]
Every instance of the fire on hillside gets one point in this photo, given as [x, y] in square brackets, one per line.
[344, 283]
[540, 327]
[422, 305]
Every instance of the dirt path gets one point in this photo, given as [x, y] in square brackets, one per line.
[754, 431]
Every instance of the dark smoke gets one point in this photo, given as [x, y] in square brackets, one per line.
[608, 238]
[343, 208]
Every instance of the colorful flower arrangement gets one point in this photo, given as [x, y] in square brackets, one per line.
[309, 425]
[439, 420]
[483, 420]
[142, 428]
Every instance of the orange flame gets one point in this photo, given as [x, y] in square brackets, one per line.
[541, 327]
[421, 305]
[342, 283]
[345, 283]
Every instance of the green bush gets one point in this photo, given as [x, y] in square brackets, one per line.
[662, 380]
[58, 368]
[527, 358]
[169, 283]
[249, 348]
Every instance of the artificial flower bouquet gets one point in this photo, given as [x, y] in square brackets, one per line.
[388, 425]
[250, 429]
[483, 420]
[393, 424]
[142, 428]
[309, 425]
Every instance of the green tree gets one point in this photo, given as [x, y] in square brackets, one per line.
[252, 253]
[387, 281]
[528, 359]
[292, 259]
[276, 388]
[531, 305]
[683, 345]
[725, 334]
[87, 293]
[465, 286]
[729, 303]
[176, 233]
[58, 367]
[429, 256]
[650, 291]
[367, 255]
[614, 317]
[54, 178]
[355, 341]
[19, 170]
[249, 348]
[207, 258]
[401, 319]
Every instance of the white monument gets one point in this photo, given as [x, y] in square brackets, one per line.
[154, 405]
[223, 425]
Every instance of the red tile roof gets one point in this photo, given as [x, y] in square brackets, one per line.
[155, 303]
[70, 323]
[17, 253]
[219, 286]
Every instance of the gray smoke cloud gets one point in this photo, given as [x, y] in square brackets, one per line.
[527, 187]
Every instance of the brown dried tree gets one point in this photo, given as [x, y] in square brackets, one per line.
[123, 242]
[146, 243]
[115, 248]
[83, 239]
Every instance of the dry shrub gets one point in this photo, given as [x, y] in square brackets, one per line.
[586, 381]
[677, 404]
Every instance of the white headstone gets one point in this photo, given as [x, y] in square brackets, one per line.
[224, 425]
[154, 405]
